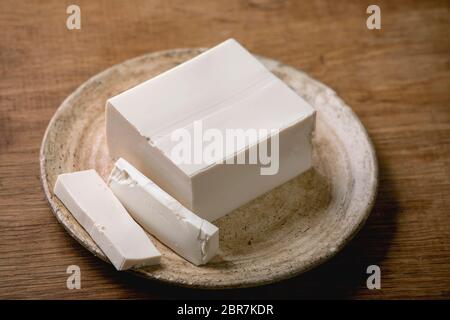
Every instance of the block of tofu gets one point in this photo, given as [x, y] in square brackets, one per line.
[101, 214]
[192, 237]
[224, 88]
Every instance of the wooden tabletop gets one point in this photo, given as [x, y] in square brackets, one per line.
[396, 79]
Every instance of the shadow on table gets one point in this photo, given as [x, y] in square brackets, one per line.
[343, 277]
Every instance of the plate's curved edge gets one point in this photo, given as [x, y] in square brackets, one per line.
[276, 277]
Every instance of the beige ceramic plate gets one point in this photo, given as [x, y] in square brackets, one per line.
[279, 235]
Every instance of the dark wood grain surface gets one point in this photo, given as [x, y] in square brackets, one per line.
[396, 79]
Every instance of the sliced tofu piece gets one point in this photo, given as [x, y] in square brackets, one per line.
[192, 237]
[101, 214]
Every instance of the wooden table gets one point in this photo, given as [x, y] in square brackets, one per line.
[397, 80]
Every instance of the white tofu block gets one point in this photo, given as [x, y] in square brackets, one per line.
[224, 88]
[101, 214]
[192, 237]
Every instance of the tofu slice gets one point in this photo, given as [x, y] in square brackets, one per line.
[192, 237]
[223, 88]
[101, 214]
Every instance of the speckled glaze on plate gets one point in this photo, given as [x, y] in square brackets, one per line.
[276, 236]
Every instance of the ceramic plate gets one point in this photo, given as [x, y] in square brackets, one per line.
[279, 235]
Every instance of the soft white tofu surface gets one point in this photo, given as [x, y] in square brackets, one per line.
[224, 88]
[101, 214]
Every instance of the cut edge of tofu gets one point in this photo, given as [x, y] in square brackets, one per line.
[124, 173]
